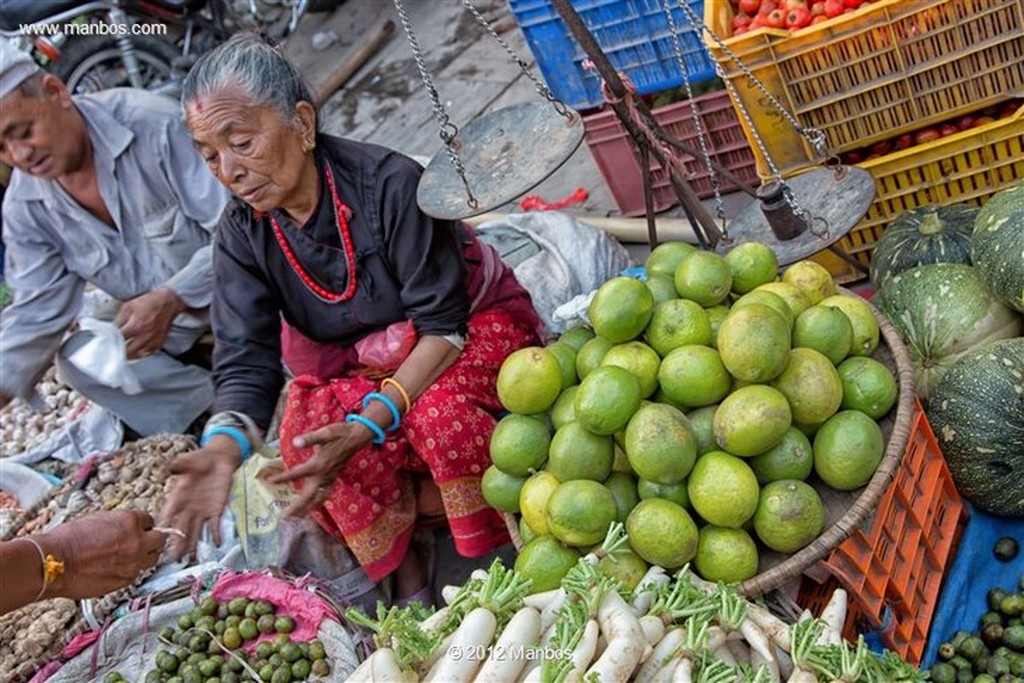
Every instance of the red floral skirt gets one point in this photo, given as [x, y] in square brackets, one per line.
[446, 436]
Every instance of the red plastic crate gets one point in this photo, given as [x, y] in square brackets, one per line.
[618, 159]
[893, 566]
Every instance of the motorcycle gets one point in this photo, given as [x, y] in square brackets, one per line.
[147, 44]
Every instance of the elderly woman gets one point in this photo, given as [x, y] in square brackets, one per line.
[325, 243]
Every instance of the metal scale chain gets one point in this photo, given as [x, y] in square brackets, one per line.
[815, 136]
[698, 123]
[449, 130]
[541, 87]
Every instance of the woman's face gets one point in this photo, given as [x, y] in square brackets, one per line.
[262, 157]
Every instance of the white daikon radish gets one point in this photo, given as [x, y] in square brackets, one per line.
[472, 637]
[626, 641]
[507, 658]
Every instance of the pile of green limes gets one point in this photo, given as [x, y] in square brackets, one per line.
[195, 653]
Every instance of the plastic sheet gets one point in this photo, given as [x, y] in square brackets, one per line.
[974, 571]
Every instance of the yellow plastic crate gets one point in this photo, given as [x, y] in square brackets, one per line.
[967, 167]
[888, 68]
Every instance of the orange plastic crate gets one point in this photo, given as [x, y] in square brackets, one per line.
[893, 566]
[618, 159]
[888, 68]
[968, 167]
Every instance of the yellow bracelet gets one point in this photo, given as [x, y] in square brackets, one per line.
[52, 568]
[391, 381]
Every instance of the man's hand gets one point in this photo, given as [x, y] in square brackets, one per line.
[145, 321]
[200, 484]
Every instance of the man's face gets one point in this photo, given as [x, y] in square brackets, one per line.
[38, 135]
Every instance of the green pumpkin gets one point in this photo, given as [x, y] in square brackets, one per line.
[921, 237]
[942, 311]
[997, 245]
[976, 415]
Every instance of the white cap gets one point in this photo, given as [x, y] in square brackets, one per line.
[16, 66]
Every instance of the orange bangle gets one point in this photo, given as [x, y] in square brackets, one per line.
[391, 381]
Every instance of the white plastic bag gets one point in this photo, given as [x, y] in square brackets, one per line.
[104, 357]
[22, 482]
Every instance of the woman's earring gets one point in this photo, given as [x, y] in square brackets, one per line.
[309, 145]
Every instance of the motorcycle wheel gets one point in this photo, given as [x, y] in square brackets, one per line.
[94, 63]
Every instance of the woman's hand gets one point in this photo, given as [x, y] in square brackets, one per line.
[333, 446]
[102, 552]
[145, 321]
[200, 484]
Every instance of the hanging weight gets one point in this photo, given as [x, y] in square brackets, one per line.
[779, 213]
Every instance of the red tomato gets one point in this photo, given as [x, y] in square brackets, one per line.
[927, 135]
[741, 20]
[790, 5]
[851, 158]
[965, 122]
[833, 8]
[905, 141]
[1008, 110]
[798, 18]
[767, 7]
[820, 19]
[948, 129]
[750, 6]
[756, 23]
[983, 121]
[740, 30]
[818, 9]
[852, 4]
[775, 19]
[881, 148]
[871, 156]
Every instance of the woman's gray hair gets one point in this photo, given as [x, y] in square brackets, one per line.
[247, 61]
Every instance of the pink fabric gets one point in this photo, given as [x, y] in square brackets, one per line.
[48, 670]
[304, 607]
[80, 643]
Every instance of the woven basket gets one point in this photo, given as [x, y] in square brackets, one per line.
[854, 507]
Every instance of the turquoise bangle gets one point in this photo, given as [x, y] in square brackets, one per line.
[240, 438]
[379, 435]
[396, 417]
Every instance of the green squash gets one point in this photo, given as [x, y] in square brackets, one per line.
[976, 413]
[942, 311]
[921, 237]
[997, 245]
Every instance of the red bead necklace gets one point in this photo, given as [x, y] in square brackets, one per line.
[340, 219]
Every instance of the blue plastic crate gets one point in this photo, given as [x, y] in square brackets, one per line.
[634, 34]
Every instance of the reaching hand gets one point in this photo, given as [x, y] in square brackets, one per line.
[200, 484]
[334, 445]
[103, 551]
[146, 320]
